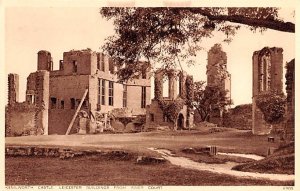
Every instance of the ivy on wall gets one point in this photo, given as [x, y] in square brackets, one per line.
[272, 105]
[189, 90]
[289, 76]
[157, 89]
[171, 108]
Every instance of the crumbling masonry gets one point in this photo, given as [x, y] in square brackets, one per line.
[29, 117]
[52, 96]
[267, 76]
[217, 75]
[155, 116]
[290, 106]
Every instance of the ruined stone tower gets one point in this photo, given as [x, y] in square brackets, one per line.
[216, 69]
[37, 93]
[13, 88]
[217, 75]
[44, 61]
[267, 76]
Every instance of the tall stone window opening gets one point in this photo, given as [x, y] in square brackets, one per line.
[62, 104]
[98, 61]
[124, 95]
[110, 93]
[72, 103]
[166, 87]
[103, 92]
[269, 74]
[74, 66]
[99, 92]
[261, 77]
[143, 100]
[102, 67]
[264, 73]
[61, 65]
[53, 102]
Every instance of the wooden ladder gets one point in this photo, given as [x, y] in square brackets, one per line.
[76, 113]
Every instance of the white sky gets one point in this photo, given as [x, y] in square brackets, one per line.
[30, 29]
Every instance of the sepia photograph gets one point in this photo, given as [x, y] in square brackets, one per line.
[124, 95]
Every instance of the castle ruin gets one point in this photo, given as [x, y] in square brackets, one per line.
[290, 106]
[267, 76]
[178, 92]
[52, 96]
[218, 76]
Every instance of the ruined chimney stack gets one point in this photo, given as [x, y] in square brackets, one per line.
[44, 61]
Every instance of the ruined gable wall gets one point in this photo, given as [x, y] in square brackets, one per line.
[154, 114]
[31, 116]
[260, 84]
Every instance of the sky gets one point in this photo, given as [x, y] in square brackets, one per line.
[58, 30]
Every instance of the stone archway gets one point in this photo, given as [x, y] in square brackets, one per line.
[180, 122]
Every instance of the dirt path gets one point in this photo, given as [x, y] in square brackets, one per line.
[219, 168]
[250, 156]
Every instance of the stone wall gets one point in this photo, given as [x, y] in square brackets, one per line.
[44, 61]
[31, 116]
[20, 120]
[217, 75]
[59, 121]
[267, 76]
[155, 116]
[290, 106]
[13, 88]
[57, 94]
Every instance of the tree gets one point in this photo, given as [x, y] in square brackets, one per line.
[272, 105]
[209, 98]
[171, 36]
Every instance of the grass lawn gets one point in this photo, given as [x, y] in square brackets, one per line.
[100, 171]
[232, 140]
